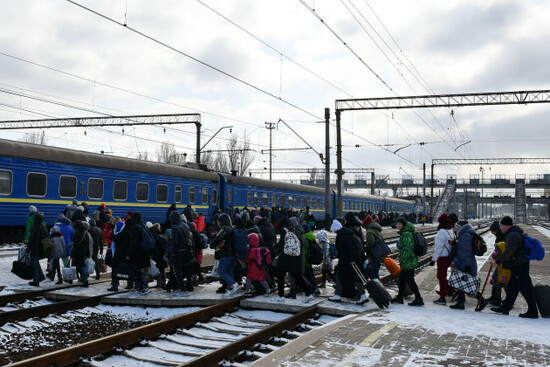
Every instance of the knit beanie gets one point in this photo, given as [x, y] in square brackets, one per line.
[494, 226]
[336, 226]
[402, 220]
[507, 221]
[366, 221]
[32, 209]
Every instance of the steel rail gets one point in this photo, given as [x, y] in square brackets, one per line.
[72, 355]
[231, 351]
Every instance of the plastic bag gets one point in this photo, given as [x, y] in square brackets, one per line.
[90, 265]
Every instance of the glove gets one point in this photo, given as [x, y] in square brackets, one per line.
[432, 263]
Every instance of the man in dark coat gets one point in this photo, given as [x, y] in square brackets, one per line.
[121, 243]
[34, 247]
[137, 256]
[291, 264]
[182, 249]
[353, 223]
[520, 280]
[81, 250]
[225, 253]
[268, 233]
[350, 252]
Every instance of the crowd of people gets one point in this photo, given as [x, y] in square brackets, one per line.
[245, 245]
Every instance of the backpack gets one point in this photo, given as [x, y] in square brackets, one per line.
[420, 244]
[332, 251]
[204, 242]
[147, 240]
[263, 256]
[314, 254]
[240, 243]
[292, 244]
[532, 248]
[479, 247]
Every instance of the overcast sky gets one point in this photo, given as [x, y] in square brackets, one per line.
[279, 61]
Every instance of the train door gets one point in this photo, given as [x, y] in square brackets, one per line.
[222, 189]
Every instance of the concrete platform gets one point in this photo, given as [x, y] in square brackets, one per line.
[72, 292]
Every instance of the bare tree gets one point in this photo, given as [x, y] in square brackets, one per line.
[144, 156]
[167, 153]
[35, 138]
[313, 174]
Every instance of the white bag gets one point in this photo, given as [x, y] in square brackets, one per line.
[90, 265]
[214, 272]
[152, 271]
[69, 274]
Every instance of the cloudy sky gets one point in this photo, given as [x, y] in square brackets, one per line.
[244, 63]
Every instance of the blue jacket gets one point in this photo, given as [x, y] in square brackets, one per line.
[466, 258]
[67, 232]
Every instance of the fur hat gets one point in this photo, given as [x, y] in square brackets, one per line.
[336, 226]
[32, 209]
[507, 221]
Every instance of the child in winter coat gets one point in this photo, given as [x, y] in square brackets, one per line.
[58, 251]
[255, 271]
[326, 266]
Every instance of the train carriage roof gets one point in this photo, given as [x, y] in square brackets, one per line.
[68, 156]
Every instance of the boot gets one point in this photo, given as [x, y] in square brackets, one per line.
[397, 299]
[416, 302]
[500, 310]
[496, 297]
[460, 300]
[482, 303]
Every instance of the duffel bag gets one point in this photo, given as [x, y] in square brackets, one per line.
[23, 269]
[464, 282]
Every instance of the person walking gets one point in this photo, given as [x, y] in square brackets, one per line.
[374, 235]
[136, 255]
[182, 249]
[408, 262]
[520, 280]
[326, 265]
[255, 266]
[81, 251]
[58, 252]
[441, 254]
[496, 290]
[350, 255]
[34, 248]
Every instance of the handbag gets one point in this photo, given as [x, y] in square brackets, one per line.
[69, 274]
[275, 262]
[191, 268]
[109, 261]
[125, 271]
[380, 249]
[464, 282]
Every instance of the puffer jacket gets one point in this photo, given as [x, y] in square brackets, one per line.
[407, 259]
[465, 255]
[67, 231]
[353, 223]
[442, 245]
[512, 256]
[268, 233]
[58, 250]
[138, 256]
[349, 250]
[223, 242]
[374, 234]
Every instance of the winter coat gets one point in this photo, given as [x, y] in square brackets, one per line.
[350, 249]
[407, 259]
[181, 236]
[268, 233]
[122, 243]
[223, 242]
[97, 237]
[466, 258]
[291, 264]
[322, 236]
[374, 234]
[138, 256]
[255, 271]
[353, 223]
[310, 238]
[78, 215]
[81, 245]
[30, 223]
[58, 250]
[161, 243]
[255, 229]
[197, 240]
[512, 256]
[107, 233]
[442, 245]
[67, 231]
[37, 233]
[199, 222]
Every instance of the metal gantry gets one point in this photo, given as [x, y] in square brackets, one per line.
[167, 119]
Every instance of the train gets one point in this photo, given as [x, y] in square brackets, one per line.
[50, 178]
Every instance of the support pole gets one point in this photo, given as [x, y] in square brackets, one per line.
[327, 169]
[270, 126]
[424, 189]
[339, 171]
[198, 125]
[432, 191]
[372, 183]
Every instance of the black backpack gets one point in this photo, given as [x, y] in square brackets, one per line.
[420, 244]
[314, 254]
[479, 247]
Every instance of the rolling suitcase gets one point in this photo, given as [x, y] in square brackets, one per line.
[542, 297]
[376, 289]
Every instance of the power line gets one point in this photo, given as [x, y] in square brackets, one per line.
[242, 81]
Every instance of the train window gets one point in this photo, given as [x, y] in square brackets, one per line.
[36, 184]
[273, 200]
[204, 195]
[6, 180]
[67, 186]
[319, 203]
[290, 202]
[162, 193]
[214, 197]
[95, 188]
[248, 199]
[142, 191]
[282, 204]
[230, 197]
[264, 200]
[177, 194]
[191, 195]
[120, 190]
[255, 199]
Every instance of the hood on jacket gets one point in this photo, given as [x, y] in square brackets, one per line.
[254, 240]
[306, 228]
[119, 226]
[92, 223]
[466, 228]
[38, 217]
[296, 223]
[136, 218]
[239, 222]
[409, 227]
[284, 222]
[374, 226]
[322, 236]
[79, 226]
[175, 217]
[55, 229]
[225, 220]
